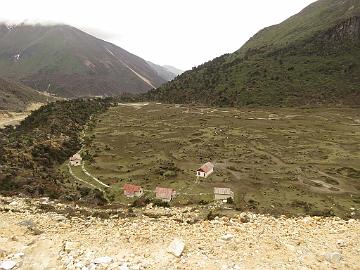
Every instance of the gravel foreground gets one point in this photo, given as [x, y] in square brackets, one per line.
[42, 234]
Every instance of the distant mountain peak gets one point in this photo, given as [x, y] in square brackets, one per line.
[71, 61]
[166, 72]
[174, 70]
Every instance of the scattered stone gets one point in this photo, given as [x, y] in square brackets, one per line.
[69, 246]
[340, 243]
[2, 253]
[27, 223]
[79, 265]
[244, 218]
[46, 254]
[227, 237]
[7, 265]
[176, 247]
[44, 200]
[333, 257]
[14, 238]
[14, 203]
[60, 218]
[210, 244]
[124, 267]
[103, 260]
[18, 255]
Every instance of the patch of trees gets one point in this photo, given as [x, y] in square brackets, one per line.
[31, 153]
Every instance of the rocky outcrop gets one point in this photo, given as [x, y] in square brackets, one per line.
[83, 241]
[348, 29]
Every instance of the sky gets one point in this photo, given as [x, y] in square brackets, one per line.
[181, 33]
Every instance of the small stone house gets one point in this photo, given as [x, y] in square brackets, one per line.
[205, 170]
[223, 193]
[164, 194]
[131, 191]
[75, 160]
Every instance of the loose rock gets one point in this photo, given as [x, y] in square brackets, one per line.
[103, 260]
[244, 218]
[333, 257]
[124, 267]
[7, 265]
[176, 247]
[227, 237]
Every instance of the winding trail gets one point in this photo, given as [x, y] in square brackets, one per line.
[93, 177]
[82, 180]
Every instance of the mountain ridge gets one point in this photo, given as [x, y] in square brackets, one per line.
[163, 71]
[71, 63]
[323, 12]
[16, 96]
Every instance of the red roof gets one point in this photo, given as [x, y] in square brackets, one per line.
[164, 192]
[131, 188]
[206, 167]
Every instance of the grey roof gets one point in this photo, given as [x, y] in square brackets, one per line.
[223, 191]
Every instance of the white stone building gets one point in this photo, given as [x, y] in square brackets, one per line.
[75, 160]
[205, 170]
[223, 193]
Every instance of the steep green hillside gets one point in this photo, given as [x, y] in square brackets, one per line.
[68, 62]
[314, 19]
[311, 58]
[16, 96]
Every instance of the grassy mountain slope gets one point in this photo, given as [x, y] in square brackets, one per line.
[314, 19]
[16, 96]
[68, 62]
[311, 58]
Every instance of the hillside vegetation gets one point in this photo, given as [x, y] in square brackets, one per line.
[15, 96]
[311, 58]
[31, 153]
[70, 63]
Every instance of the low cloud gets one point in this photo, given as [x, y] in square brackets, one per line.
[99, 33]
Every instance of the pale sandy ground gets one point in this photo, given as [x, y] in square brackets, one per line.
[47, 240]
[14, 118]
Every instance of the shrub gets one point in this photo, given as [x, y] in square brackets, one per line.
[160, 203]
[230, 200]
[141, 202]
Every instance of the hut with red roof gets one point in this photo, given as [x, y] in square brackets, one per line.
[164, 194]
[131, 191]
[205, 170]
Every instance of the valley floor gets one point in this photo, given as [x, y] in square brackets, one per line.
[9, 118]
[41, 234]
[296, 161]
